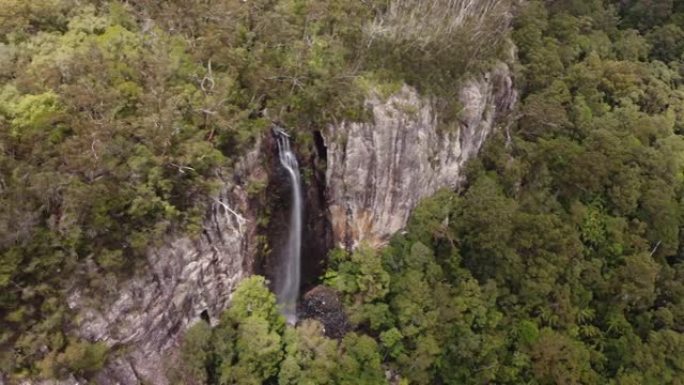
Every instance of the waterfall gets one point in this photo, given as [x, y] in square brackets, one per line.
[287, 289]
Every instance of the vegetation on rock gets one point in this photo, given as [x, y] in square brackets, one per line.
[560, 262]
[119, 119]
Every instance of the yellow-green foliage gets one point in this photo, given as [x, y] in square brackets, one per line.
[79, 357]
[32, 112]
[560, 261]
[97, 121]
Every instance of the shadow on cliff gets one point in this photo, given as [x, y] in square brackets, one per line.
[317, 231]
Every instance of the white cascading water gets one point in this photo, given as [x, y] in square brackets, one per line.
[287, 289]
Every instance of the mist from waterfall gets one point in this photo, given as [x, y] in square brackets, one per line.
[287, 289]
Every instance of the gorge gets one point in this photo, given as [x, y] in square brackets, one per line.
[227, 252]
[333, 192]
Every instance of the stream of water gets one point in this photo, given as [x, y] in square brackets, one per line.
[287, 289]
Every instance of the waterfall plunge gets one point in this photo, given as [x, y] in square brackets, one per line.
[287, 289]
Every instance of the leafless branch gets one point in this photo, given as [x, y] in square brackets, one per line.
[207, 84]
[239, 218]
[655, 248]
[420, 23]
[181, 168]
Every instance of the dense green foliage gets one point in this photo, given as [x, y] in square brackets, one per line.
[119, 119]
[252, 345]
[560, 262]
[102, 152]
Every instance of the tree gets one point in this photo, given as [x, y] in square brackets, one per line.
[560, 360]
[195, 356]
[360, 362]
[310, 357]
[360, 278]
[485, 225]
[81, 358]
[257, 354]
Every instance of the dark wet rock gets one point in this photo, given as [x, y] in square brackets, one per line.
[323, 304]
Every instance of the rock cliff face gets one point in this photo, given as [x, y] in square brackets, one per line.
[186, 279]
[377, 172]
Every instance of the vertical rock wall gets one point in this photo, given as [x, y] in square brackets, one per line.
[378, 171]
[184, 280]
[376, 174]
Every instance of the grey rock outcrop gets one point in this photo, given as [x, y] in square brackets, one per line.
[377, 172]
[183, 279]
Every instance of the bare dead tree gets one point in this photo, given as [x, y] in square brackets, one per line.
[207, 84]
[421, 23]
